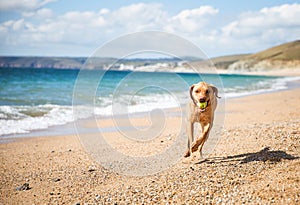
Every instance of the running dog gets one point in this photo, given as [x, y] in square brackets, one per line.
[201, 109]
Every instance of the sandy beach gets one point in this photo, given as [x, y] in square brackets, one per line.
[149, 102]
[256, 161]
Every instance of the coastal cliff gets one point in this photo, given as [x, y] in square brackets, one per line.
[284, 56]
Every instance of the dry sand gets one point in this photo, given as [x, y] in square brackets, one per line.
[256, 161]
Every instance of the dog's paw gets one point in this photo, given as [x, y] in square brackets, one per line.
[187, 153]
[195, 146]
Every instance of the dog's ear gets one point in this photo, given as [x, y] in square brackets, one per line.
[216, 91]
[191, 92]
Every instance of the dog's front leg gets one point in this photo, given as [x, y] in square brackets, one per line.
[200, 140]
[190, 131]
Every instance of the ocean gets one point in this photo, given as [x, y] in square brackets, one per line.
[34, 99]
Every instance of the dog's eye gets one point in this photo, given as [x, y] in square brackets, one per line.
[197, 91]
[207, 91]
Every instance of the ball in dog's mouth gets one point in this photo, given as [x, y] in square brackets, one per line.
[202, 105]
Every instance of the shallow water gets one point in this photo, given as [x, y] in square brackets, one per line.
[32, 99]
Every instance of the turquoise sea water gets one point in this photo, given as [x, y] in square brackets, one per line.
[32, 99]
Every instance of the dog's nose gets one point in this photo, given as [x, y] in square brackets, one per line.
[202, 99]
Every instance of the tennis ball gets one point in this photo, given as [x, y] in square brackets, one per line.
[202, 105]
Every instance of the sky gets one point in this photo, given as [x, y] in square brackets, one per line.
[76, 28]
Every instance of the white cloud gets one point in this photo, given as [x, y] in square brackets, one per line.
[89, 26]
[255, 24]
[267, 27]
[138, 17]
[250, 31]
[191, 20]
[40, 13]
[104, 11]
[22, 5]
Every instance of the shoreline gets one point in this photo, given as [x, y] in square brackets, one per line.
[278, 73]
[69, 128]
[293, 72]
[255, 160]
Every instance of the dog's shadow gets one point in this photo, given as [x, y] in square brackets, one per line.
[262, 156]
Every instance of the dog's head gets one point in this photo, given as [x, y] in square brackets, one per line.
[203, 92]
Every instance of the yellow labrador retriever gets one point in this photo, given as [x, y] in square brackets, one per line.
[201, 109]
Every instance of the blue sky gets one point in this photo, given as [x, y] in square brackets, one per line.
[77, 28]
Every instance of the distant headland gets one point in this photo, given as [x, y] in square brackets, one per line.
[284, 56]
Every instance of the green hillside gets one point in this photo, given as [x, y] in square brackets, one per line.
[286, 52]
